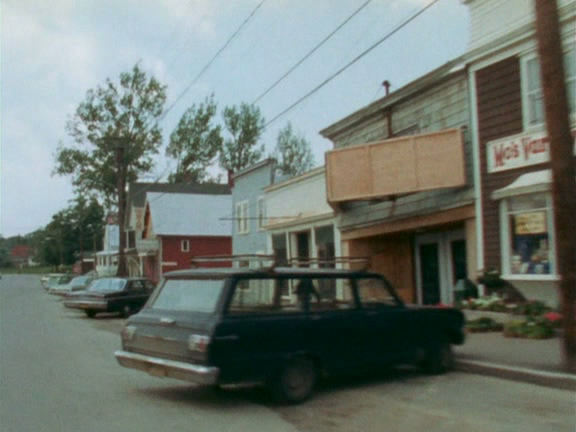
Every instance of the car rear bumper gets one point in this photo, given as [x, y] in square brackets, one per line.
[168, 368]
[86, 304]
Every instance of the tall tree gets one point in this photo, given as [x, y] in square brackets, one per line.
[292, 153]
[195, 143]
[116, 133]
[118, 113]
[245, 125]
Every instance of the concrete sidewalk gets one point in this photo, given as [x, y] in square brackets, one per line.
[535, 361]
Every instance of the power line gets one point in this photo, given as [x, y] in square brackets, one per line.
[368, 50]
[205, 68]
[312, 51]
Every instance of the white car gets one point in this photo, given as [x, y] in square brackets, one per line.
[78, 283]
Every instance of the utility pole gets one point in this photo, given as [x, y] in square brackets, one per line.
[120, 144]
[562, 164]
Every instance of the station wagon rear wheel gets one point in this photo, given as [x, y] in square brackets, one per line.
[90, 313]
[439, 358]
[296, 381]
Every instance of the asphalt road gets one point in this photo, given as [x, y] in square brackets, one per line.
[58, 374]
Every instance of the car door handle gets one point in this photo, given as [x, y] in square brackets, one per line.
[231, 337]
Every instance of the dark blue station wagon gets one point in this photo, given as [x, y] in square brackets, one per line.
[283, 327]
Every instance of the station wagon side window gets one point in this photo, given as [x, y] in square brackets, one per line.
[266, 296]
[373, 293]
[331, 294]
[260, 296]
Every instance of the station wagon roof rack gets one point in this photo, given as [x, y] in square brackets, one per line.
[270, 262]
[238, 260]
[333, 261]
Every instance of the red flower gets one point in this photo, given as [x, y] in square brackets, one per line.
[553, 316]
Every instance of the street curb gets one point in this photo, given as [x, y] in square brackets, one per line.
[548, 379]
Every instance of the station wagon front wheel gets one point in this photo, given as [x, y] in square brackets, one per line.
[295, 381]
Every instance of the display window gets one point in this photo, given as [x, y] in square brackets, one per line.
[528, 223]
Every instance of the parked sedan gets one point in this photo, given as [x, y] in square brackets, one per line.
[79, 283]
[113, 294]
[55, 280]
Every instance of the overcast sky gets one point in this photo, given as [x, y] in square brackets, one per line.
[53, 51]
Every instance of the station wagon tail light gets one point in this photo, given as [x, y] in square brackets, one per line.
[198, 342]
[128, 333]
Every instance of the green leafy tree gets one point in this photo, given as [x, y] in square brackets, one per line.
[245, 125]
[292, 153]
[195, 143]
[117, 133]
[71, 232]
[122, 113]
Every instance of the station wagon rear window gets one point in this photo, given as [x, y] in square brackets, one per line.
[194, 295]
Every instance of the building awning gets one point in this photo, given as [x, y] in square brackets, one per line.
[537, 181]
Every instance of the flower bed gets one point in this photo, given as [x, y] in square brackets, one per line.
[483, 324]
[529, 319]
[530, 328]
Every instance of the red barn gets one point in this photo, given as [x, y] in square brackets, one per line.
[183, 226]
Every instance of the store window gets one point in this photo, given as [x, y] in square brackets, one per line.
[532, 89]
[528, 223]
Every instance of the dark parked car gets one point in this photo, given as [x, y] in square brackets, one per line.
[112, 294]
[283, 327]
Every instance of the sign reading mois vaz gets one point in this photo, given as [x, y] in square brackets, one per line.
[519, 151]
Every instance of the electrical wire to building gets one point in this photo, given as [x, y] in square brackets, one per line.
[353, 61]
[211, 61]
[312, 51]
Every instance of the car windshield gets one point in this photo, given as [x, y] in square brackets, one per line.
[195, 295]
[106, 285]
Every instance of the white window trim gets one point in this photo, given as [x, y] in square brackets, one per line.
[524, 88]
[242, 217]
[184, 245]
[505, 249]
[261, 212]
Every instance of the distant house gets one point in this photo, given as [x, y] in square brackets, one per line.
[141, 252]
[107, 258]
[249, 236]
[22, 256]
[179, 226]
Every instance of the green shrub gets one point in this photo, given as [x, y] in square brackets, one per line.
[532, 308]
[483, 324]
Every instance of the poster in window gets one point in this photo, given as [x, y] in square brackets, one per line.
[531, 223]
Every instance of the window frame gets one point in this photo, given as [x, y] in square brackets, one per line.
[261, 212]
[506, 239]
[242, 216]
[184, 245]
[532, 58]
